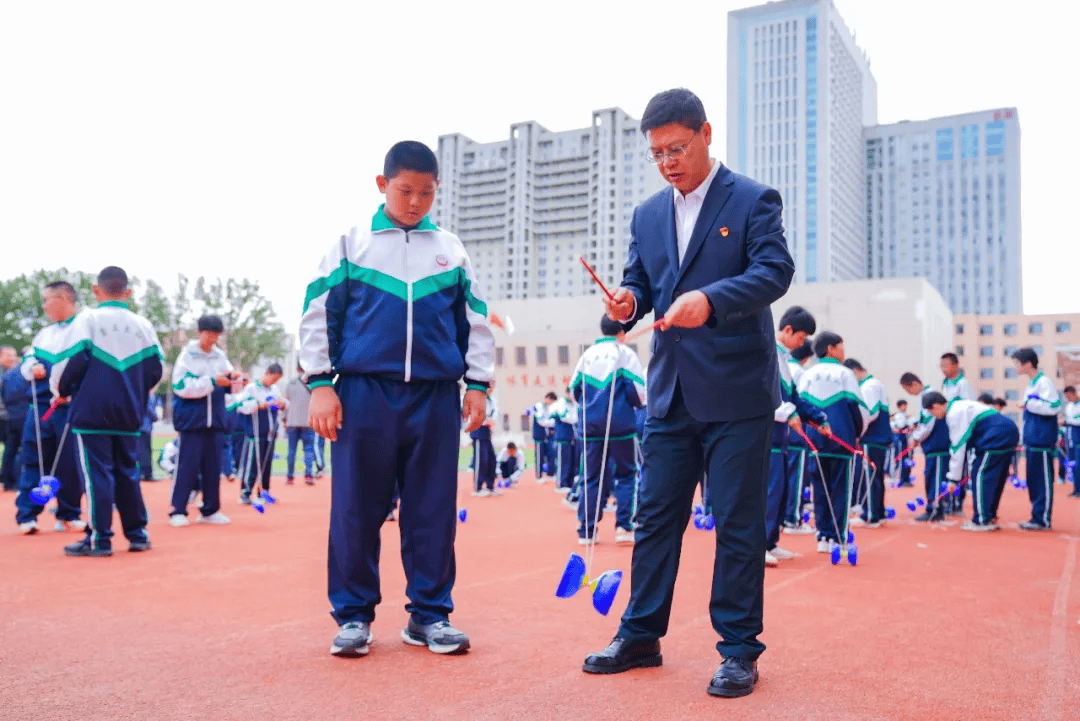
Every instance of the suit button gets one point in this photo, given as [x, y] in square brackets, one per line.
[678, 338]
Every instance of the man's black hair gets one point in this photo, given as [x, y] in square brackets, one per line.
[410, 155]
[901, 402]
[1027, 355]
[951, 357]
[825, 340]
[932, 399]
[986, 398]
[610, 328]
[800, 320]
[854, 364]
[64, 287]
[551, 395]
[909, 378]
[275, 368]
[211, 323]
[678, 105]
[803, 352]
[113, 280]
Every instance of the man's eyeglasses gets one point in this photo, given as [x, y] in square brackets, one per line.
[656, 157]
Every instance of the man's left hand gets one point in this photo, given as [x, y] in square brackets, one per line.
[473, 410]
[691, 310]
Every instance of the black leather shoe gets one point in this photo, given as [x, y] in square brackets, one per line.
[623, 655]
[735, 677]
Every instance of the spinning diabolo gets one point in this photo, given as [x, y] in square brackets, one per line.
[603, 587]
[45, 491]
[462, 514]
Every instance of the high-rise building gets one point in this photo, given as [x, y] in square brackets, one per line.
[529, 206]
[944, 204]
[800, 92]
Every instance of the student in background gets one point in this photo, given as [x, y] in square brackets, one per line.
[1041, 405]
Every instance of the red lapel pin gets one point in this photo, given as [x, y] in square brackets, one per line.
[724, 231]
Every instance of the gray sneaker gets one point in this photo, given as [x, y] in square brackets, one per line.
[440, 637]
[353, 640]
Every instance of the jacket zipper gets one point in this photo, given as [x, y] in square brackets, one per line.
[408, 314]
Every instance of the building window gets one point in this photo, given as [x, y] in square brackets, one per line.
[960, 350]
[986, 330]
[525, 424]
[1010, 373]
[1012, 395]
[1038, 350]
[541, 355]
[1009, 350]
[1035, 328]
[986, 351]
[959, 329]
[564, 355]
[1063, 327]
[1009, 329]
[519, 355]
[498, 356]
[986, 373]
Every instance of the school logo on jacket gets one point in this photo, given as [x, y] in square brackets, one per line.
[724, 231]
[442, 260]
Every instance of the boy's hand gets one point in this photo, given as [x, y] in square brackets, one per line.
[473, 410]
[224, 380]
[38, 370]
[324, 413]
[795, 423]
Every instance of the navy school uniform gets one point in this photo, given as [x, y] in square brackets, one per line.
[1042, 403]
[901, 426]
[484, 451]
[608, 376]
[983, 441]
[933, 438]
[565, 416]
[1072, 441]
[798, 462]
[397, 317]
[541, 427]
[199, 419]
[509, 466]
[876, 440]
[115, 361]
[16, 397]
[833, 388]
[260, 427]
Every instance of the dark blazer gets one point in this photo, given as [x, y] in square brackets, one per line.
[738, 257]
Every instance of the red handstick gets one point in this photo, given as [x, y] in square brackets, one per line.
[642, 331]
[596, 278]
[845, 446]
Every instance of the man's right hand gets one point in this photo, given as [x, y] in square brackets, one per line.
[38, 370]
[621, 308]
[324, 412]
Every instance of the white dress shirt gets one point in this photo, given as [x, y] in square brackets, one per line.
[687, 209]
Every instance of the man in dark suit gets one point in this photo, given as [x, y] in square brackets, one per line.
[708, 258]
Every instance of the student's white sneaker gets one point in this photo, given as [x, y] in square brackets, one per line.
[569, 504]
[216, 518]
[770, 560]
[855, 509]
[622, 536]
[62, 526]
[29, 528]
[560, 489]
[586, 541]
[857, 522]
[782, 554]
[823, 546]
[803, 530]
[875, 524]
[496, 492]
[482, 493]
[178, 521]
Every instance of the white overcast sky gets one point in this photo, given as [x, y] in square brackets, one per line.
[240, 139]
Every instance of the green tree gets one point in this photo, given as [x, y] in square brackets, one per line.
[21, 298]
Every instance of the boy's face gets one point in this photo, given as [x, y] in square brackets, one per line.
[902, 407]
[791, 339]
[511, 452]
[1072, 396]
[938, 410]
[270, 379]
[207, 338]
[913, 389]
[949, 368]
[409, 196]
[836, 351]
[1024, 369]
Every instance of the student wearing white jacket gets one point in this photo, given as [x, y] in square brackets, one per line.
[875, 441]
[1041, 405]
[1072, 436]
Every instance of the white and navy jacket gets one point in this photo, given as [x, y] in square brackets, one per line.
[833, 388]
[1072, 424]
[796, 369]
[901, 422]
[1041, 404]
[541, 422]
[791, 403]
[198, 401]
[979, 427]
[491, 413]
[51, 348]
[113, 361]
[933, 437]
[252, 418]
[564, 416]
[509, 467]
[397, 304]
[879, 430]
[957, 388]
[608, 367]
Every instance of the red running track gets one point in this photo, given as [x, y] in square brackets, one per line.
[232, 623]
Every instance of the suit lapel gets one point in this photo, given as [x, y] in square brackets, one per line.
[671, 240]
[714, 202]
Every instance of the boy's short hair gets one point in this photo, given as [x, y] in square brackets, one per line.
[113, 280]
[803, 352]
[1000, 402]
[511, 446]
[64, 287]
[610, 328]
[909, 378]
[410, 155]
[824, 341]
[854, 364]
[275, 369]
[211, 323]
[986, 399]
[678, 105]
[800, 320]
[551, 395]
[932, 399]
[1026, 355]
[901, 402]
[951, 357]
[1070, 389]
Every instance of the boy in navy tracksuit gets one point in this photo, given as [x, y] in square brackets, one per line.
[876, 440]
[608, 377]
[200, 379]
[1072, 436]
[564, 416]
[1041, 405]
[484, 452]
[933, 438]
[833, 388]
[541, 432]
[901, 427]
[396, 316]
[49, 353]
[115, 361]
[259, 405]
[795, 325]
[509, 464]
[798, 454]
[990, 438]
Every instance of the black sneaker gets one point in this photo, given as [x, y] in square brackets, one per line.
[440, 637]
[353, 640]
[1033, 526]
[85, 548]
[139, 546]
